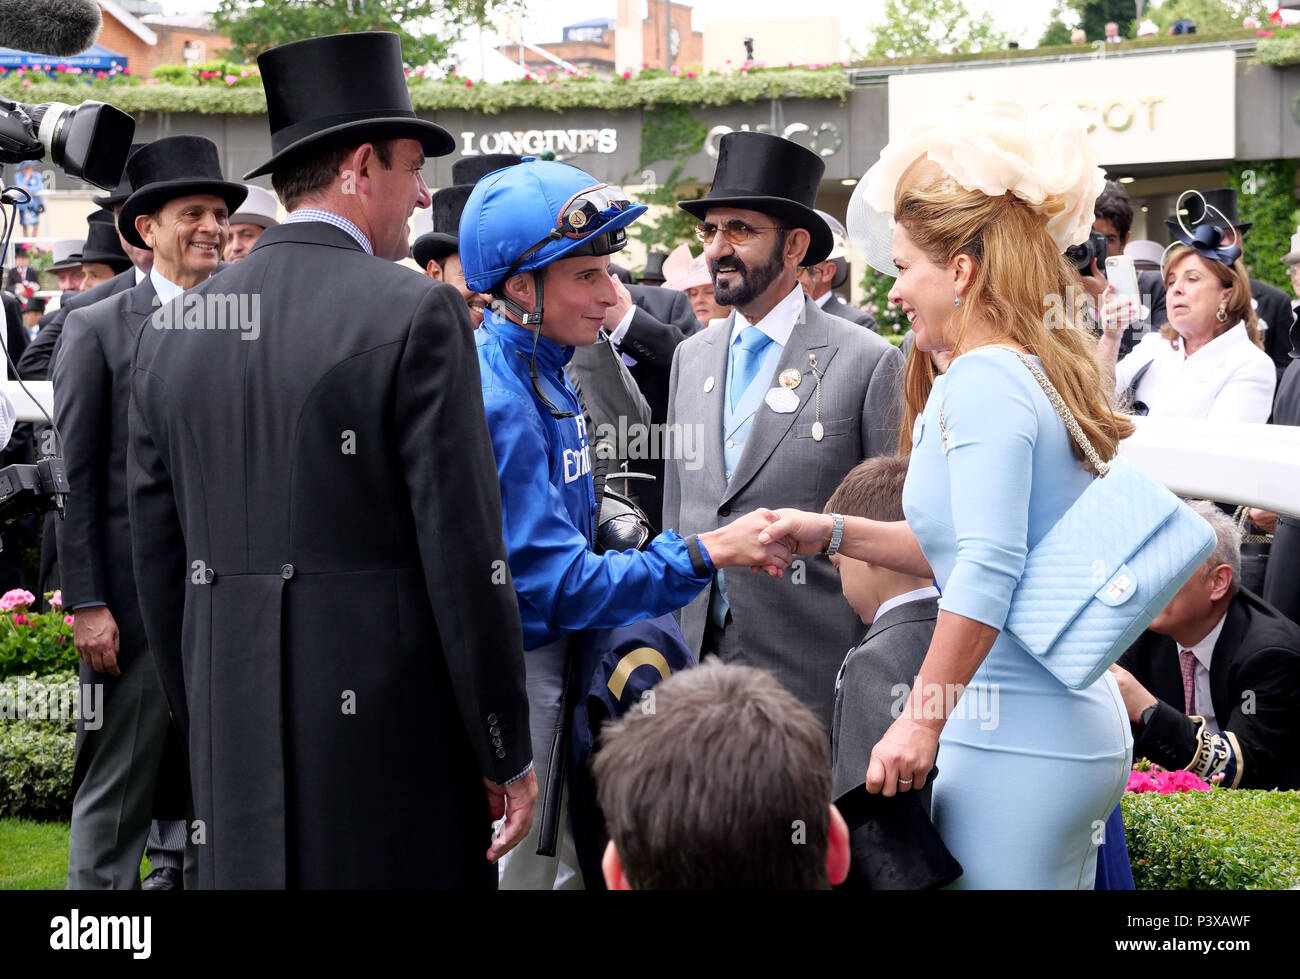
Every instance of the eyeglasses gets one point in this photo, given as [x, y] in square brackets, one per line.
[736, 232]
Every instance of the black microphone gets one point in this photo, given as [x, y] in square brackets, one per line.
[61, 28]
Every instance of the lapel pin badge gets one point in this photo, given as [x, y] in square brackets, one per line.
[790, 377]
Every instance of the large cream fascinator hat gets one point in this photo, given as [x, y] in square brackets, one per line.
[1043, 156]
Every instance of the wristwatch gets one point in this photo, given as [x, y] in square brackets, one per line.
[837, 534]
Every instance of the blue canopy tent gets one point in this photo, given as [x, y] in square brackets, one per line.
[97, 58]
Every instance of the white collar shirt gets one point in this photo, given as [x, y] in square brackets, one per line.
[778, 324]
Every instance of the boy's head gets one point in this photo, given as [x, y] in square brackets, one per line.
[724, 782]
[871, 489]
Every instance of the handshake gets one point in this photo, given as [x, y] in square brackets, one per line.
[767, 540]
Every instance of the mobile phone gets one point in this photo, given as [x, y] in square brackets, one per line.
[1121, 274]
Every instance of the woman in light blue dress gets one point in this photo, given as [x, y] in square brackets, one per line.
[1029, 770]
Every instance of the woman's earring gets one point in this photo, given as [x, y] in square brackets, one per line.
[956, 301]
[1222, 314]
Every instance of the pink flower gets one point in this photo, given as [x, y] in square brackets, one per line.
[126, 71]
[151, 81]
[100, 74]
[627, 75]
[675, 70]
[67, 620]
[690, 74]
[469, 83]
[21, 620]
[56, 600]
[16, 598]
[230, 79]
[27, 83]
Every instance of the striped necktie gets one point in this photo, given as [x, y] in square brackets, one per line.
[1187, 662]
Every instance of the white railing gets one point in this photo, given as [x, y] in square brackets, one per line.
[1258, 465]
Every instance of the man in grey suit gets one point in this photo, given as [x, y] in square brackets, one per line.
[786, 400]
[134, 758]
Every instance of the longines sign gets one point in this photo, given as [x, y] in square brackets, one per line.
[1154, 108]
[534, 142]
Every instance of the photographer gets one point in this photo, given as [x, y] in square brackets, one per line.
[1113, 215]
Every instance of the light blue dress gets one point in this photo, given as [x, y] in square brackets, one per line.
[1029, 770]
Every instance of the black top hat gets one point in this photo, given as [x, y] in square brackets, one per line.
[449, 203]
[102, 244]
[1223, 200]
[171, 167]
[123, 189]
[340, 90]
[893, 843]
[35, 305]
[654, 267]
[762, 172]
[472, 169]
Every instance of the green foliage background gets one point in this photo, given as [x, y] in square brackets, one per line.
[669, 134]
[920, 27]
[1272, 208]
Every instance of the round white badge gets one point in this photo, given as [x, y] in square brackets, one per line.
[781, 400]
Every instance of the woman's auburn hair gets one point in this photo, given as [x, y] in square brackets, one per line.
[1238, 308]
[1024, 287]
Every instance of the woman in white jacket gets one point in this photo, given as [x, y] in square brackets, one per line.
[1207, 361]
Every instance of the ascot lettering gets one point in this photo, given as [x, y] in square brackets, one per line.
[534, 142]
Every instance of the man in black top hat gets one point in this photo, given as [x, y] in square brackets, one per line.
[351, 690]
[438, 251]
[179, 209]
[789, 399]
[1272, 305]
[653, 274]
[22, 272]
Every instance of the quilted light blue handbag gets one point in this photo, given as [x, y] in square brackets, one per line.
[1105, 570]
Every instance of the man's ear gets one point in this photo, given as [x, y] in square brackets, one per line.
[433, 270]
[1221, 582]
[144, 228]
[796, 246]
[611, 869]
[521, 289]
[837, 848]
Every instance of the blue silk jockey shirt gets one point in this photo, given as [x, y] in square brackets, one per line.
[549, 506]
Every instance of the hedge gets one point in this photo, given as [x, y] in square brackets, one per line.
[429, 95]
[36, 754]
[1225, 839]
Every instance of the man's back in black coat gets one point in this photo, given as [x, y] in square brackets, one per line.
[1255, 687]
[317, 543]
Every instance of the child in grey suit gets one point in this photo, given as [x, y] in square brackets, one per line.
[901, 610]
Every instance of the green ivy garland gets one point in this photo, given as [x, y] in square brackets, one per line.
[245, 97]
[669, 134]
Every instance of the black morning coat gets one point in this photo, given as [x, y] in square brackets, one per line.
[92, 377]
[317, 542]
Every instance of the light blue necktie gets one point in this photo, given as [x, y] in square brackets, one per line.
[747, 355]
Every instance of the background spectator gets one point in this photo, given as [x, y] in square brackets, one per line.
[1214, 685]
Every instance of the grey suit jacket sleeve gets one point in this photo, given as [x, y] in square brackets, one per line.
[672, 477]
[882, 409]
[82, 410]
